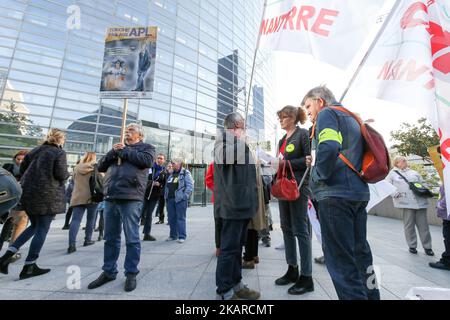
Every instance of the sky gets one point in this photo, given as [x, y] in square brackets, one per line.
[296, 73]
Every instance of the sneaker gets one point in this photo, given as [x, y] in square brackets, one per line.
[71, 249]
[170, 239]
[181, 240]
[266, 243]
[88, 243]
[159, 222]
[439, 265]
[280, 247]
[247, 293]
[429, 252]
[413, 250]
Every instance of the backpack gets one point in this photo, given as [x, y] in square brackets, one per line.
[96, 186]
[376, 163]
[10, 191]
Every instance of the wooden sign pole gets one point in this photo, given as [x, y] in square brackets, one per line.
[124, 125]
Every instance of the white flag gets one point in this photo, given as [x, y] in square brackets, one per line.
[410, 64]
[312, 214]
[331, 30]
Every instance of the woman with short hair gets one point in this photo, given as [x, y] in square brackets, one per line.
[44, 171]
[178, 189]
[414, 207]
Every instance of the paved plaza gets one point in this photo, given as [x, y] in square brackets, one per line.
[170, 270]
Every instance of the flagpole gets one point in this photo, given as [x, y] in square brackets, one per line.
[372, 46]
[254, 62]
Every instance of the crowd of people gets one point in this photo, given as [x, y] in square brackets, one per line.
[123, 188]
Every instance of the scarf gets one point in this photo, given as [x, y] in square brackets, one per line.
[157, 169]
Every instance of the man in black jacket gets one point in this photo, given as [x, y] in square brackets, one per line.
[124, 191]
[236, 202]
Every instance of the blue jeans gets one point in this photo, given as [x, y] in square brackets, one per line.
[176, 214]
[147, 210]
[229, 263]
[295, 226]
[120, 213]
[347, 253]
[77, 216]
[38, 229]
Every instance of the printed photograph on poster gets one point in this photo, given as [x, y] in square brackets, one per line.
[129, 63]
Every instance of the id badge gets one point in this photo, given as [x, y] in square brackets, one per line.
[313, 157]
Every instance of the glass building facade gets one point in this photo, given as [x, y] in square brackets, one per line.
[51, 54]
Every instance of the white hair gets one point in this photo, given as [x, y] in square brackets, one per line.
[138, 129]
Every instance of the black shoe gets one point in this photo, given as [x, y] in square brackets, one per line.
[148, 237]
[413, 250]
[303, 285]
[5, 261]
[440, 265]
[290, 276]
[97, 230]
[429, 252]
[130, 283]
[100, 238]
[32, 270]
[66, 227]
[16, 257]
[88, 243]
[101, 280]
[320, 260]
[84, 228]
[159, 222]
[71, 249]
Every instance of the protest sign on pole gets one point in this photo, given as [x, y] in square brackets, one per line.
[128, 66]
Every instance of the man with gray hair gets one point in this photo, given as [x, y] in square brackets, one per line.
[342, 196]
[124, 192]
[236, 202]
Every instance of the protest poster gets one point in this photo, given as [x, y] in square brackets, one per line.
[129, 63]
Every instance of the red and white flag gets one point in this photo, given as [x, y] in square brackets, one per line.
[410, 65]
[332, 31]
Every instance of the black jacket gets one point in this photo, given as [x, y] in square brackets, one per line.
[129, 180]
[156, 191]
[235, 186]
[10, 168]
[297, 148]
[44, 171]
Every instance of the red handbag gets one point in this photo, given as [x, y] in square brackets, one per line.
[284, 188]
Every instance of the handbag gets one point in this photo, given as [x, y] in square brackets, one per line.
[285, 188]
[417, 188]
[96, 186]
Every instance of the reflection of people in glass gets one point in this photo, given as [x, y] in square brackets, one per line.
[144, 63]
[115, 75]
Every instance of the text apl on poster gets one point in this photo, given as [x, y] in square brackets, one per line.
[129, 63]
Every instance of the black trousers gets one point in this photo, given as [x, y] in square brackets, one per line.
[161, 204]
[218, 222]
[229, 262]
[446, 234]
[251, 245]
[6, 231]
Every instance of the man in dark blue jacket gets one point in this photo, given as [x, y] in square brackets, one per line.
[342, 196]
[124, 192]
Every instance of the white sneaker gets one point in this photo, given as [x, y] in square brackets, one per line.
[170, 239]
[181, 240]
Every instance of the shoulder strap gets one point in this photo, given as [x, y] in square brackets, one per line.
[403, 177]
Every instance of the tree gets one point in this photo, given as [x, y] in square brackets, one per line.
[19, 124]
[414, 139]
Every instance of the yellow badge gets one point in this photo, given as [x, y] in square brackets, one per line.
[290, 148]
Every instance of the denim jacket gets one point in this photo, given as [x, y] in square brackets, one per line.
[337, 132]
[185, 186]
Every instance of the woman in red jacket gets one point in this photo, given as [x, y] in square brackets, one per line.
[209, 180]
